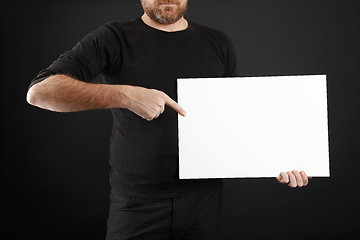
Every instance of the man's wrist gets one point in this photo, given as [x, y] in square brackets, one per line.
[121, 98]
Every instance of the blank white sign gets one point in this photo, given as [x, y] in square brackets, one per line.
[253, 126]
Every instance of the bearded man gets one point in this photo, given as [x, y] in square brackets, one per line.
[140, 61]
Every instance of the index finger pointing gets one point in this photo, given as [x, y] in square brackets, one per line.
[174, 105]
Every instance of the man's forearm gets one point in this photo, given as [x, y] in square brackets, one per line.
[61, 93]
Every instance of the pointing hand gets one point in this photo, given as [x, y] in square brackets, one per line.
[149, 103]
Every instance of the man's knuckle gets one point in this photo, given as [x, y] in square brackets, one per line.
[159, 101]
[163, 95]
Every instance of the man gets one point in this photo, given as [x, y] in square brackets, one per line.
[140, 61]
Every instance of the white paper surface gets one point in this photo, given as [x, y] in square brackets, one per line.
[253, 126]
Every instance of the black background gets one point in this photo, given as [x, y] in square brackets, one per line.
[55, 166]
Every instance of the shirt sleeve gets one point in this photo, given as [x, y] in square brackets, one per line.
[231, 60]
[95, 53]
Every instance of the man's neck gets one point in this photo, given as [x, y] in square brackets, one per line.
[180, 25]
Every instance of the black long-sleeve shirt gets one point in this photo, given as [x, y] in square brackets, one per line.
[144, 154]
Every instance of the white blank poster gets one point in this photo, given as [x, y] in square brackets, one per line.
[253, 126]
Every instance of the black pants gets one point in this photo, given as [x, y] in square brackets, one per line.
[192, 216]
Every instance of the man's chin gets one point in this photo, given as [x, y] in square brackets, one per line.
[169, 16]
[166, 18]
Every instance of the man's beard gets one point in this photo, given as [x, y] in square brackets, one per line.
[164, 14]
